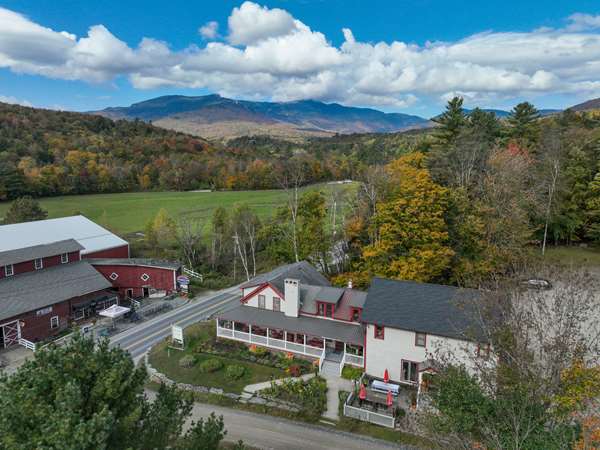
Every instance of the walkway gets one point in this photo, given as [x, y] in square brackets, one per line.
[335, 384]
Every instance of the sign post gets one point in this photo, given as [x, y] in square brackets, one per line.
[177, 337]
[184, 283]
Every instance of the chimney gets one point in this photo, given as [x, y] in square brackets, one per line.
[291, 305]
[349, 284]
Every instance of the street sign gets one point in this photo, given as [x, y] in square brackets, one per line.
[183, 280]
[177, 335]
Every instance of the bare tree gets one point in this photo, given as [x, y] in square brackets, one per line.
[190, 240]
[291, 178]
[537, 330]
[552, 160]
[245, 226]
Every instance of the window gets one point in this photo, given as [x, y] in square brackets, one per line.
[44, 311]
[54, 322]
[409, 371]
[9, 270]
[276, 304]
[420, 339]
[355, 314]
[64, 258]
[38, 263]
[483, 351]
[261, 301]
[325, 309]
[379, 332]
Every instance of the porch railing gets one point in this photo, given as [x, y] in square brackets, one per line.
[367, 416]
[354, 360]
[279, 344]
[27, 344]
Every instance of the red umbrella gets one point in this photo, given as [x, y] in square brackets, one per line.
[389, 401]
[386, 376]
[362, 394]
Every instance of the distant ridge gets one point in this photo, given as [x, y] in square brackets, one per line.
[587, 106]
[216, 117]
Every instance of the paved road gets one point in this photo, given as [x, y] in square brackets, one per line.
[273, 433]
[140, 338]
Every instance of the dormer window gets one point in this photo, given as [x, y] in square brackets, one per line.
[325, 309]
[276, 304]
[355, 315]
[379, 332]
[420, 339]
[38, 263]
[261, 302]
[9, 270]
[64, 258]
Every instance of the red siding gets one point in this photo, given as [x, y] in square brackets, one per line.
[29, 266]
[117, 252]
[130, 277]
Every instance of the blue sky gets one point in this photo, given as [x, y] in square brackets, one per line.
[406, 56]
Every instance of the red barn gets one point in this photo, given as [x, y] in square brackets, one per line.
[138, 277]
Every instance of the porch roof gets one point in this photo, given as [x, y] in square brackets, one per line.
[346, 332]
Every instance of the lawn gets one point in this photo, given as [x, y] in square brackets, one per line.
[127, 213]
[574, 255]
[167, 361]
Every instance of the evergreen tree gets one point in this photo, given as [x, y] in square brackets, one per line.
[451, 121]
[523, 122]
[25, 209]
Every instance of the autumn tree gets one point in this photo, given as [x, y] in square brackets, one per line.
[25, 209]
[411, 240]
[161, 232]
[189, 238]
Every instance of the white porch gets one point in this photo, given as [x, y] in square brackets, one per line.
[277, 339]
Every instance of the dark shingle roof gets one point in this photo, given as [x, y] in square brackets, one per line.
[34, 290]
[330, 294]
[302, 271]
[173, 265]
[39, 251]
[423, 307]
[346, 332]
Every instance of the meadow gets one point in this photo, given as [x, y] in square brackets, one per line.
[127, 213]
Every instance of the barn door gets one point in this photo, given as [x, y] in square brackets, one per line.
[11, 333]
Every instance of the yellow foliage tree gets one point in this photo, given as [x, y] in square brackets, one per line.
[410, 228]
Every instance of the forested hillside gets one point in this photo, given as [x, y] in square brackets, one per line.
[44, 153]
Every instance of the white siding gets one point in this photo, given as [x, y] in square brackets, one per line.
[268, 292]
[399, 345]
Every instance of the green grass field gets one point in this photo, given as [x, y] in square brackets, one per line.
[574, 256]
[127, 213]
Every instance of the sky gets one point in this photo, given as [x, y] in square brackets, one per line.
[406, 56]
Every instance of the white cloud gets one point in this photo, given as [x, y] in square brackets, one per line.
[210, 30]
[251, 23]
[581, 22]
[269, 54]
[14, 101]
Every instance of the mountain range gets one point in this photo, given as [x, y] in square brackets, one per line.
[216, 117]
[220, 118]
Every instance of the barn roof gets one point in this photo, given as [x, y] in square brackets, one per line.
[35, 290]
[91, 236]
[38, 251]
[143, 262]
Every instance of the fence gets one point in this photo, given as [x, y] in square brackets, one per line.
[367, 416]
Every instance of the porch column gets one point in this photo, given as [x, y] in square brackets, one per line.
[285, 338]
[344, 349]
[267, 337]
[250, 332]
[304, 344]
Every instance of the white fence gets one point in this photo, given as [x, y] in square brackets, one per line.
[367, 416]
[193, 274]
[27, 344]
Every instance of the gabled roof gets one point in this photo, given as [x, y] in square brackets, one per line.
[143, 262]
[38, 251]
[87, 233]
[35, 290]
[302, 271]
[329, 294]
[422, 307]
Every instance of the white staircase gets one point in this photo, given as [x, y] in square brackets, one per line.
[330, 368]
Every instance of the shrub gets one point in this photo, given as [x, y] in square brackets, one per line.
[187, 362]
[294, 370]
[351, 373]
[235, 372]
[210, 365]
